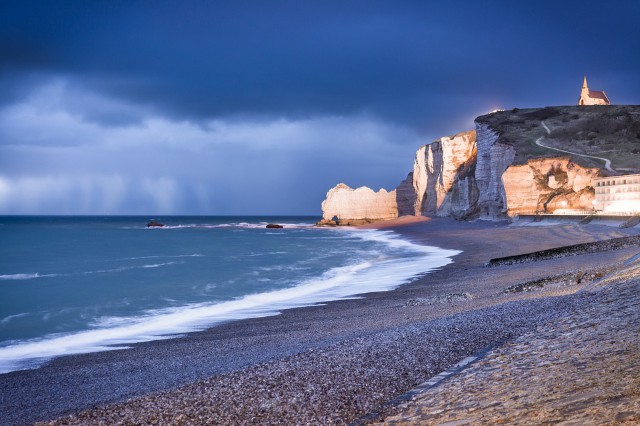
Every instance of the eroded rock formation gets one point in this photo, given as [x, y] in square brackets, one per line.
[358, 206]
[544, 185]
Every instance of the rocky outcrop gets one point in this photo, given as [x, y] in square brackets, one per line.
[442, 183]
[406, 197]
[545, 185]
[493, 159]
[462, 200]
[347, 206]
[437, 169]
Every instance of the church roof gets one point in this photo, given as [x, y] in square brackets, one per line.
[598, 94]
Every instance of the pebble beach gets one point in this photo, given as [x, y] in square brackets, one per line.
[343, 362]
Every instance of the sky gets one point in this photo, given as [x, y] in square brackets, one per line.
[260, 107]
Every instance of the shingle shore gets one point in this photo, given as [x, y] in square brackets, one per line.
[321, 365]
[582, 369]
[338, 383]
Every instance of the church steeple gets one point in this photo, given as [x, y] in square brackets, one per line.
[584, 94]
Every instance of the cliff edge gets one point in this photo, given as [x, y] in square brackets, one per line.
[501, 169]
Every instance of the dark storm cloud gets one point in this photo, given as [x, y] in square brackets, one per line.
[162, 166]
[395, 59]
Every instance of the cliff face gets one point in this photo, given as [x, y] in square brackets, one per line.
[442, 183]
[542, 185]
[437, 169]
[545, 185]
[406, 197]
[493, 160]
[357, 206]
[493, 172]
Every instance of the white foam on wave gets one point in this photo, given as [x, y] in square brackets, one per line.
[163, 256]
[8, 319]
[30, 276]
[157, 265]
[25, 276]
[382, 273]
[244, 225]
[129, 268]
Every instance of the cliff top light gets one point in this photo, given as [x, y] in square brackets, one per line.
[592, 97]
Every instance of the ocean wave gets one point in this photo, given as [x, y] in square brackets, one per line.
[379, 273]
[129, 268]
[157, 265]
[262, 225]
[245, 225]
[163, 256]
[30, 276]
[8, 319]
[175, 227]
[25, 276]
[265, 253]
[394, 240]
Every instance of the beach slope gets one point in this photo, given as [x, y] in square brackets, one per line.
[335, 363]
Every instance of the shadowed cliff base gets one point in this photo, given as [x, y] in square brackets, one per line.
[326, 364]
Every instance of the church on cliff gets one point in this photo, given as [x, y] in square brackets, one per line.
[592, 97]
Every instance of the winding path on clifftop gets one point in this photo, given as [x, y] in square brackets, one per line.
[607, 162]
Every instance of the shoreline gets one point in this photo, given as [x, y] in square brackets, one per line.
[395, 223]
[232, 357]
[330, 285]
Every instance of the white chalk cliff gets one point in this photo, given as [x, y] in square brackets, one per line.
[493, 159]
[469, 175]
[357, 206]
[440, 170]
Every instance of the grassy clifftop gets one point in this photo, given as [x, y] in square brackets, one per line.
[611, 132]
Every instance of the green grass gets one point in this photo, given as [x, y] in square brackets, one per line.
[612, 132]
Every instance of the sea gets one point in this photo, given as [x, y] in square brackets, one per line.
[79, 284]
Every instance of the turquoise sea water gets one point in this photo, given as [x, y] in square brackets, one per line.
[82, 284]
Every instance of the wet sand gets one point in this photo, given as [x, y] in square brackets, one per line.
[327, 364]
[395, 223]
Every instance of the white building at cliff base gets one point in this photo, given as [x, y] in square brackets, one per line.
[618, 195]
